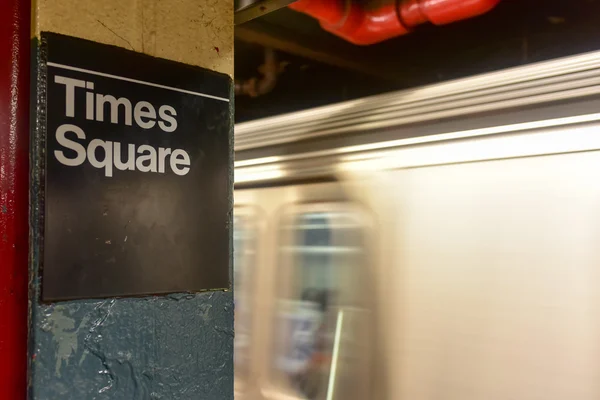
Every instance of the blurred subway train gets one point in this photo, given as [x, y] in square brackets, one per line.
[440, 243]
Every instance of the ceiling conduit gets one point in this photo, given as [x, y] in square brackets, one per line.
[374, 22]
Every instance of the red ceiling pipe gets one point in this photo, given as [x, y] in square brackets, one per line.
[441, 12]
[376, 22]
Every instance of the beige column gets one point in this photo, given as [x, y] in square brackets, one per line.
[196, 32]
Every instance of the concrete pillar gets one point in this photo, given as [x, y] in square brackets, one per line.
[177, 346]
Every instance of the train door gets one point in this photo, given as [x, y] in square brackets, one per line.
[321, 317]
[312, 322]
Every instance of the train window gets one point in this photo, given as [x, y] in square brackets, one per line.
[319, 280]
[243, 260]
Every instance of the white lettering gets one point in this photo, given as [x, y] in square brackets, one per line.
[167, 114]
[69, 144]
[107, 155]
[143, 109]
[180, 157]
[162, 154]
[89, 106]
[70, 85]
[107, 161]
[102, 99]
[151, 157]
[130, 163]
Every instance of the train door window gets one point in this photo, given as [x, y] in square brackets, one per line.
[320, 304]
[243, 260]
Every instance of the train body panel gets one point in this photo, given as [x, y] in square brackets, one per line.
[496, 275]
[466, 258]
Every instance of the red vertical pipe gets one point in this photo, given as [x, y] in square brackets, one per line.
[14, 193]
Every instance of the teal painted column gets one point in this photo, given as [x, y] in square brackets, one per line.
[176, 346]
[173, 347]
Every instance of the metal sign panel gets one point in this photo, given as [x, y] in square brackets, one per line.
[138, 182]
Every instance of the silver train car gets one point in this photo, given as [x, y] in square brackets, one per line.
[440, 243]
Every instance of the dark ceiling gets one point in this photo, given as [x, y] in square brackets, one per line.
[318, 68]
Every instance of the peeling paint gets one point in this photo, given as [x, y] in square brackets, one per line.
[204, 312]
[65, 332]
[173, 347]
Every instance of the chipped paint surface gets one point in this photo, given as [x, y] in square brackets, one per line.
[174, 347]
[64, 332]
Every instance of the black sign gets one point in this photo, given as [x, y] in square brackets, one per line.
[138, 172]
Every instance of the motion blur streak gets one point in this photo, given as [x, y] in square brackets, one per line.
[336, 351]
[456, 265]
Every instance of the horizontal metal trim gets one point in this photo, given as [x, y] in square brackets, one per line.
[560, 135]
[550, 81]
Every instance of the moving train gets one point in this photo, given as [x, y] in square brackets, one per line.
[434, 243]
